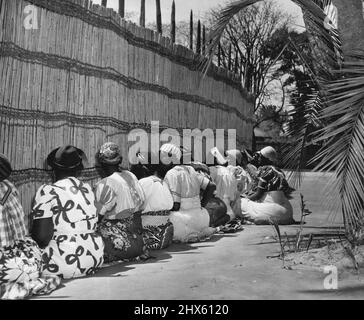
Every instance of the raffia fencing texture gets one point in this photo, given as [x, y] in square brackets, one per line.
[86, 76]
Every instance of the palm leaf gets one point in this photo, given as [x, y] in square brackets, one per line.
[301, 133]
[343, 137]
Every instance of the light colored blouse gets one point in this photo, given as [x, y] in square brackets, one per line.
[157, 194]
[119, 196]
[226, 183]
[185, 183]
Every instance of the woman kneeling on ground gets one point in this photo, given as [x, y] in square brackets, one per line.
[157, 228]
[20, 257]
[65, 219]
[120, 200]
[189, 217]
[269, 199]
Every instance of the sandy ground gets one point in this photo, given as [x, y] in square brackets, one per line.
[233, 266]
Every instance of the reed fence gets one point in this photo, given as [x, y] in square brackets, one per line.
[86, 76]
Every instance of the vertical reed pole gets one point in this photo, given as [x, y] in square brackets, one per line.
[219, 55]
[191, 30]
[203, 39]
[159, 16]
[236, 67]
[198, 40]
[142, 13]
[230, 58]
[173, 22]
[122, 8]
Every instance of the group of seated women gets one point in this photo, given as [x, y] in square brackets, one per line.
[75, 228]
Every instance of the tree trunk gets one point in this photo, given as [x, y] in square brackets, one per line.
[159, 16]
[122, 8]
[203, 40]
[191, 30]
[173, 22]
[142, 14]
[198, 40]
[350, 24]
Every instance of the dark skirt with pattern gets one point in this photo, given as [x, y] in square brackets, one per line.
[218, 212]
[157, 230]
[123, 239]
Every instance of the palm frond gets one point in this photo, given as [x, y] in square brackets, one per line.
[343, 139]
[301, 132]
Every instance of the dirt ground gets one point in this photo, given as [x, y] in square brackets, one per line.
[230, 266]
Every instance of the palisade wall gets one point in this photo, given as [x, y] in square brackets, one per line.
[86, 76]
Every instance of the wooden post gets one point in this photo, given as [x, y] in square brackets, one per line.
[191, 30]
[122, 8]
[142, 14]
[236, 67]
[219, 55]
[159, 16]
[230, 58]
[173, 22]
[104, 3]
[198, 40]
[203, 39]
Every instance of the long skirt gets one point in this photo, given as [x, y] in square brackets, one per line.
[73, 256]
[123, 239]
[20, 272]
[274, 207]
[157, 230]
[191, 223]
[218, 212]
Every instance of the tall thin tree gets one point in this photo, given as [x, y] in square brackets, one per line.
[191, 30]
[198, 39]
[173, 22]
[142, 13]
[159, 16]
[203, 39]
[122, 8]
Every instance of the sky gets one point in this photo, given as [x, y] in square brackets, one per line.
[183, 7]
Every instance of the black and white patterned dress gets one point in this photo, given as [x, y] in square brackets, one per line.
[76, 249]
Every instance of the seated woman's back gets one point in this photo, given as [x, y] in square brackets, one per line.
[184, 182]
[125, 195]
[70, 203]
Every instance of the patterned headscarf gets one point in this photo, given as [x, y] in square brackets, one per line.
[170, 153]
[5, 167]
[109, 154]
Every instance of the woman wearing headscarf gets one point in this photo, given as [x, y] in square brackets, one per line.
[20, 257]
[215, 206]
[189, 217]
[121, 201]
[226, 183]
[269, 201]
[65, 218]
[157, 227]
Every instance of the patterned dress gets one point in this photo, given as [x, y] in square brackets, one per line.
[191, 222]
[20, 258]
[120, 200]
[274, 205]
[158, 229]
[76, 249]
